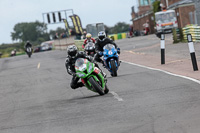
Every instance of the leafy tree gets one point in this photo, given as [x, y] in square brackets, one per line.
[22, 45]
[156, 6]
[29, 31]
[59, 30]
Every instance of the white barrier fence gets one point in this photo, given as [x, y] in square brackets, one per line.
[61, 44]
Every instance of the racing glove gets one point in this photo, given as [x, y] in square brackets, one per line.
[90, 58]
[100, 53]
[118, 50]
[73, 74]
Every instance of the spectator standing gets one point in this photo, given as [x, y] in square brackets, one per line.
[56, 36]
[146, 27]
[131, 30]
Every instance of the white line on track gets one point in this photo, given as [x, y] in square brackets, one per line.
[185, 77]
[116, 96]
[38, 67]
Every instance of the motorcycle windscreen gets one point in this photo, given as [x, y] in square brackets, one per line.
[81, 64]
[108, 46]
[90, 46]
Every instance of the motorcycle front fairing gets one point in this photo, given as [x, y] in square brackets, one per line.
[85, 70]
[29, 49]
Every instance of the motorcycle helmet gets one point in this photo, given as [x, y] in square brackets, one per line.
[101, 35]
[72, 50]
[88, 36]
[90, 46]
[27, 42]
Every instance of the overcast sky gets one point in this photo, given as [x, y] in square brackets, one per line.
[90, 11]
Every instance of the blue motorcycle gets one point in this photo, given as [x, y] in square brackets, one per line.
[111, 59]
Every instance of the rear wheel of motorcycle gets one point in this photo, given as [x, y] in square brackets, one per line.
[96, 86]
[113, 67]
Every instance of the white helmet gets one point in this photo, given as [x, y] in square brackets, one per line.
[101, 35]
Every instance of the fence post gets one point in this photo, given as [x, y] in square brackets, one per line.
[192, 52]
[162, 46]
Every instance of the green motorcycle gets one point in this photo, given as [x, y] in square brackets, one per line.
[91, 76]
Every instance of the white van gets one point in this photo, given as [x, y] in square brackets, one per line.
[165, 21]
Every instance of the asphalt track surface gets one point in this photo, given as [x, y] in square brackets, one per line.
[35, 97]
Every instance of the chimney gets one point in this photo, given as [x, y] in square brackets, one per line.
[133, 10]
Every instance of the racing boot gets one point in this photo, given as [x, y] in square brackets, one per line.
[119, 62]
[80, 84]
[104, 75]
[103, 63]
[106, 89]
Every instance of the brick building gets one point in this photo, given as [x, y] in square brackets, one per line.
[185, 11]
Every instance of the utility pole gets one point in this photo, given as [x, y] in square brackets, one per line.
[167, 4]
[197, 10]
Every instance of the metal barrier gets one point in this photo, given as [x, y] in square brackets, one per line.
[118, 36]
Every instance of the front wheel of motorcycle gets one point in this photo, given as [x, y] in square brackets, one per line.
[96, 86]
[113, 67]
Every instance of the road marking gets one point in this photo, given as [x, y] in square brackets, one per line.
[38, 67]
[174, 61]
[185, 77]
[116, 96]
[138, 53]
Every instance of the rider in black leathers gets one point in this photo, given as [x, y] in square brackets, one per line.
[74, 54]
[28, 44]
[100, 43]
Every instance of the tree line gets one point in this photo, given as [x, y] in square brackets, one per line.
[37, 31]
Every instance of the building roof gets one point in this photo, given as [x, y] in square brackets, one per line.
[182, 2]
[161, 12]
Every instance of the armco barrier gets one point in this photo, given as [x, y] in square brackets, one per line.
[194, 30]
[115, 37]
[118, 36]
[123, 35]
[112, 37]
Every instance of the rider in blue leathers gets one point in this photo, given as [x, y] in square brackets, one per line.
[100, 43]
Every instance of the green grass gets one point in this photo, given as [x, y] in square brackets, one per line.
[78, 44]
[20, 53]
[7, 51]
[5, 55]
